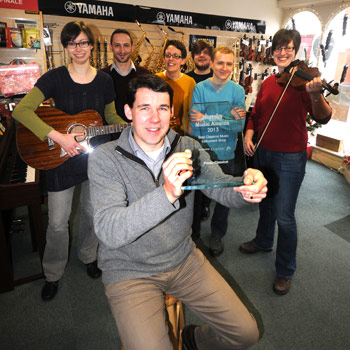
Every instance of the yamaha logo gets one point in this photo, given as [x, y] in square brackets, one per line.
[70, 7]
[160, 17]
[88, 9]
[228, 24]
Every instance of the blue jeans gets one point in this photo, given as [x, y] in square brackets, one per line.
[285, 173]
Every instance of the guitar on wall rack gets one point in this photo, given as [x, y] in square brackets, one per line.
[47, 154]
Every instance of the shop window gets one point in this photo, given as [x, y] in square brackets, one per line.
[309, 27]
[330, 52]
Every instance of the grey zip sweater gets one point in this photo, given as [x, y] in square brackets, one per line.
[140, 232]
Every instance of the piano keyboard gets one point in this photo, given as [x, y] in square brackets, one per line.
[22, 173]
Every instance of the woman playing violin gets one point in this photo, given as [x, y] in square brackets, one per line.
[74, 88]
[282, 155]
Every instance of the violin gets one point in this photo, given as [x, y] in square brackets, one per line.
[244, 46]
[241, 74]
[252, 48]
[302, 76]
[261, 50]
[248, 81]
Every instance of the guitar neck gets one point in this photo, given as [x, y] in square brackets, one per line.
[105, 129]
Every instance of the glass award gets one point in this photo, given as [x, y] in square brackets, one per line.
[219, 130]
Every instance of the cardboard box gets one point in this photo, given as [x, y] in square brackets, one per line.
[331, 143]
[340, 112]
[328, 158]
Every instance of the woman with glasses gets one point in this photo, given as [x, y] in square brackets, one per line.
[175, 54]
[74, 88]
[281, 156]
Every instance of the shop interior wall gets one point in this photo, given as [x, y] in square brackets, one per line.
[28, 55]
[266, 10]
[103, 29]
[324, 12]
[156, 34]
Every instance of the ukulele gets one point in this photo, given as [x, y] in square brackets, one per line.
[47, 154]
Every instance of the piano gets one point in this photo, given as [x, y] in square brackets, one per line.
[19, 186]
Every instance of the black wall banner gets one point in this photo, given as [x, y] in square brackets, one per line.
[129, 13]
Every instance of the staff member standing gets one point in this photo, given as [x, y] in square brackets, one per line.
[175, 54]
[74, 88]
[282, 156]
[122, 70]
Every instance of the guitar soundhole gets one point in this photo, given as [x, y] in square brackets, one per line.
[78, 128]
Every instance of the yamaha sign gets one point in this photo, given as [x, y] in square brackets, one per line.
[79, 8]
[128, 13]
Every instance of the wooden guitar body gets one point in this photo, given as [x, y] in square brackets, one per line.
[47, 154]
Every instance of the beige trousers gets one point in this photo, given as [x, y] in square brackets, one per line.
[139, 310]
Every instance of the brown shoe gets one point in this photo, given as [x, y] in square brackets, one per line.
[251, 248]
[282, 285]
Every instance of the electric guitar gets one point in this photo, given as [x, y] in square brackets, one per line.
[47, 154]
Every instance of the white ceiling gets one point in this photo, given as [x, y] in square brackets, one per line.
[305, 3]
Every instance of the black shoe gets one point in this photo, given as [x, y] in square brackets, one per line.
[92, 270]
[205, 213]
[216, 246]
[187, 335]
[49, 290]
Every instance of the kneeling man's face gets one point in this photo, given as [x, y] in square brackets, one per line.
[150, 116]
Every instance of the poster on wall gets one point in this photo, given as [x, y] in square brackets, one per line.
[30, 5]
[151, 15]
[194, 38]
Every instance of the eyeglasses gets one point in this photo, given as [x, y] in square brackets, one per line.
[83, 44]
[175, 56]
[288, 49]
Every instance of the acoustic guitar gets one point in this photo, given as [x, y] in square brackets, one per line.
[47, 154]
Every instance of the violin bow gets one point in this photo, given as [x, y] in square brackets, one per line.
[292, 72]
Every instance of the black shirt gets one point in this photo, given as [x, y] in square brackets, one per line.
[199, 77]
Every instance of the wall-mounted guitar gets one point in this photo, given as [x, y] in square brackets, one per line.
[47, 154]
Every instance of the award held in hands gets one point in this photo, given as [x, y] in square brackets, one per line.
[218, 128]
